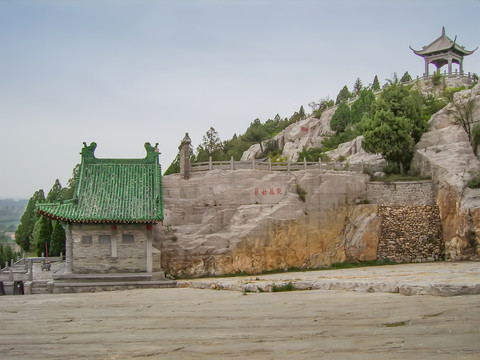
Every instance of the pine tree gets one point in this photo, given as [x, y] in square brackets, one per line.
[406, 77]
[24, 233]
[55, 193]
[341, 118]
[42, 233]
[57, 242]
[343, 95]
[357, 87]
[376, 84]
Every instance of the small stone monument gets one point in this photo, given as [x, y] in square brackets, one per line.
[185, 156]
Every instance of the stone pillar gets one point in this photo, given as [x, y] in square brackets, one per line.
[149, 249]
[68, 249]
[426, 68]
[449, 66]
[185, 165]
[114, 241]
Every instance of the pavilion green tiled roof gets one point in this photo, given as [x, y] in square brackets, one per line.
[113, 191]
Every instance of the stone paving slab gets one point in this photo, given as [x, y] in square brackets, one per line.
[439, 278]
[145, 324]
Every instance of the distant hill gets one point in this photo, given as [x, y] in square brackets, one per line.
[11, 212]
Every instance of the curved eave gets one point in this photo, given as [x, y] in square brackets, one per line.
[454, 47]
[99, 221]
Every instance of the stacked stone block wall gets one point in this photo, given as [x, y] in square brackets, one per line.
[401, 193]
[410, 233]
[99, 257]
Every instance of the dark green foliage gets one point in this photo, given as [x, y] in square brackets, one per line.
[362, 106]
[301, 192]
[341, 118]
[358, 86]
[174, 167]
[42, 233]
[24, 233]
[376, 83]
[55, 194]
[6, 255]
[57, 242]
[287, 287]
[311, 155]
[343, 95]
[449, 91]
[332, 142]
[319, 107]
[475, 138]
[431, 105]
[68, 192]
[396, 126]
[406, 77]
[210, 146]
[474, 183]
[437, 78]
[256, 134]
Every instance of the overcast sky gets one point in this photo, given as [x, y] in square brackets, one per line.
[123, 72]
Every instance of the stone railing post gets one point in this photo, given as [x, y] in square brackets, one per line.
[30, 270]
[304, 163]
[210, 164]
[288, 164]
[253, 164]
[269, 164]
[10, 275]
[320, 163]
[231, 163]
[185, 166]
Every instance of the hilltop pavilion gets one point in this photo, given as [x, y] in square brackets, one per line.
[443, 51]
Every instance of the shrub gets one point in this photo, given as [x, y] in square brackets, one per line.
[301, 192]
[287, 287]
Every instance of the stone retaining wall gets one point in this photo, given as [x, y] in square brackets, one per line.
[410, 233]
[401, 193]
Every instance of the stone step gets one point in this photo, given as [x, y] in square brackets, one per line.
[94, 286]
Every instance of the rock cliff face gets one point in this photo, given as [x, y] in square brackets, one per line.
[445, 154]
[221, 222]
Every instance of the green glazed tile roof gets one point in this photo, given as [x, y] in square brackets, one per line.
[113, 191]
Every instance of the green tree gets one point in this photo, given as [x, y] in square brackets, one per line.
[376, 83]
[256, 134]
[406, 77]
[24, 233]
[55, 194]
[362, 106]
[68, 192]
[357, 87]
[341, 118]
[210, 146]
[343, 95]
[174, 167]
[57, 242]
[42, 233]
[396, 126]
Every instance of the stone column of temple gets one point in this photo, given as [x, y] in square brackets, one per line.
[68, 249]
[185, 156]
[449, 66]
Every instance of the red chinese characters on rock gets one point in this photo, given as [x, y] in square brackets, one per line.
[304, 129]
[268, 191]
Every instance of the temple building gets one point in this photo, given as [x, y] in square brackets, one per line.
[443, 51]
[109, 222]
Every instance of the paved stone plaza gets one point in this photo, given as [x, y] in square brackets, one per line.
[186, 323]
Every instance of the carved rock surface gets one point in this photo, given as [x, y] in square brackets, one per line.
[221, 222]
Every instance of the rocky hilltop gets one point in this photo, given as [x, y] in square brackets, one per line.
[228, 221]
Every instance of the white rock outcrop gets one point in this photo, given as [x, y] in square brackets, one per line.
[445, 154]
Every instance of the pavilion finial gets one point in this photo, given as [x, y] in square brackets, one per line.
[443, 30]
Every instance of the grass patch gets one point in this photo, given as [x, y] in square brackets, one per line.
[349, 265]
[287, 287]
[301, 192]
[396, 324]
